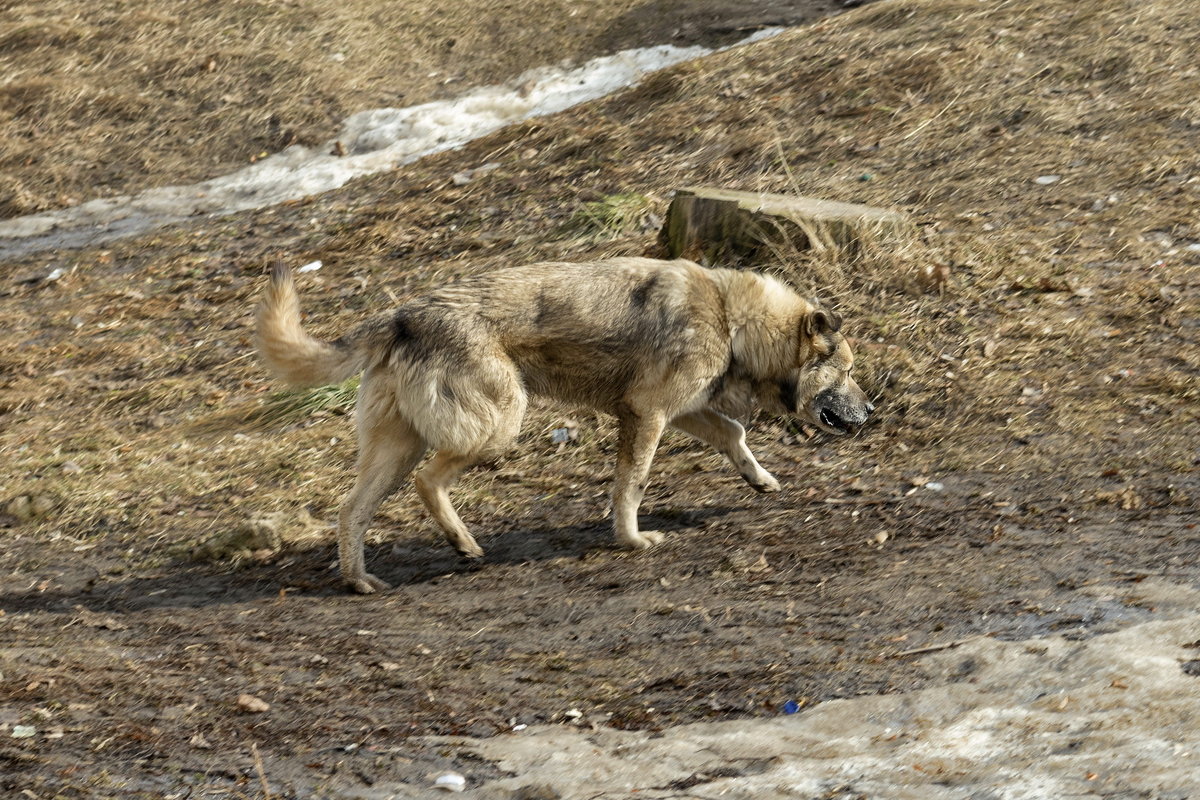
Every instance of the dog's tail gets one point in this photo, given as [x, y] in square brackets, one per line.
[296, 357]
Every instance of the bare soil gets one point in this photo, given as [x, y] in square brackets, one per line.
[1033, 355]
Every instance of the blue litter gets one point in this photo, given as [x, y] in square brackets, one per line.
[791, 707]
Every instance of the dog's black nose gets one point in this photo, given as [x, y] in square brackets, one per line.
[870, 408]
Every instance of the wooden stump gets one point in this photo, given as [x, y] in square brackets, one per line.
[723, 226]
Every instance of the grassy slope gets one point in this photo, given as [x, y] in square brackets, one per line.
[98, 97]
[109, 97]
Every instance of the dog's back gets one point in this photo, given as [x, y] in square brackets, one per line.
[578, 332]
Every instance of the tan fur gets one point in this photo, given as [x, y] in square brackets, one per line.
[654, 343]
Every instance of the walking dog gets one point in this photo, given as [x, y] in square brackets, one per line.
[654, 343]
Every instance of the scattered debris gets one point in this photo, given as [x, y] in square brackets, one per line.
[450, 782]
[259, 535]
[468, 175]
[27, 508]
[252, 704]
[1047, 180]
[569, 432]
[536, 791]
[312, 266]
[93, 619]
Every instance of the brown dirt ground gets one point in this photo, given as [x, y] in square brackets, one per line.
[1049, 384]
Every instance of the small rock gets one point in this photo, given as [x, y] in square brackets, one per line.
[71, 468]
[1047, 180]
[252, 704]
[468, 175]
[23, 731]
[312, 266]
[881, 537]
[27, 507]
[259, 533]
[20, 507]
[569, 432]
[450, 782]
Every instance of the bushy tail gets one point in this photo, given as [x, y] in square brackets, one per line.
[296, 357]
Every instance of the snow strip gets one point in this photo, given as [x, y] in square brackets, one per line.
[372, 141]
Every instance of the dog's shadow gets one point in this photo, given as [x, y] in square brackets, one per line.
[409, 560]
[405, 560]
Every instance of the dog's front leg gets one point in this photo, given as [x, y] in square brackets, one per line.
[728, 437]
[636, 442]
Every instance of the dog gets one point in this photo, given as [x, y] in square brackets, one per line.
[653, 343]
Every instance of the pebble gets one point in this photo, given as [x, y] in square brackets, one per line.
[450, 782]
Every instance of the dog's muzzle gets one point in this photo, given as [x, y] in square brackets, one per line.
[839, 414]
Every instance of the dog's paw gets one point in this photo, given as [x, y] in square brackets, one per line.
[764, 483]
[367, 584]
[464, 544]
[472, 550]
[642, 540]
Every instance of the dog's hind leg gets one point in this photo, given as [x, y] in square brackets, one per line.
[433, 485]
[637, 440]
[389, 450]
[727, 437]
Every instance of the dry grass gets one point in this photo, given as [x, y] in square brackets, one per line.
[1039, 338]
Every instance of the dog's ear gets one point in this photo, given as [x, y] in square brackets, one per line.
[822, 321]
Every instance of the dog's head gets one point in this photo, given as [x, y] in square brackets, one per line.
[822, 391]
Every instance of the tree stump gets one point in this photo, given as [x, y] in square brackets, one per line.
[724, 226]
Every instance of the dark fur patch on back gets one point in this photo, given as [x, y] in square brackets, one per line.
[425, 333]
[549, 311]
[640, 295]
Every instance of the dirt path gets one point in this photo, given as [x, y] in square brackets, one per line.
[748, 606]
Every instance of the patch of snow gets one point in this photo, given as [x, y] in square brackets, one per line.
[1117, 715]
[370, 141]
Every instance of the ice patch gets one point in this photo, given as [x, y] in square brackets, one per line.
[1117, 715]
[370, 141]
